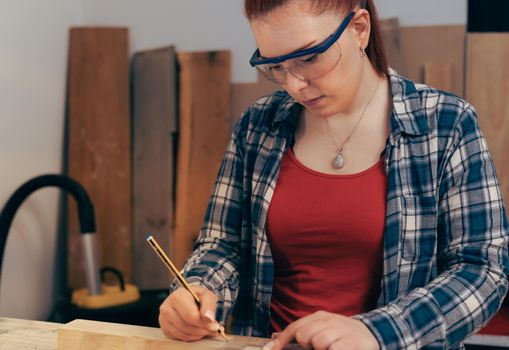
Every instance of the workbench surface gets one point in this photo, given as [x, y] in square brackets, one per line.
[23, 334]
[16, 334]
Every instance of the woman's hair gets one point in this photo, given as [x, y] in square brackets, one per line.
[375, 51]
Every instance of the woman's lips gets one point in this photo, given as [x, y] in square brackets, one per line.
[312, 102]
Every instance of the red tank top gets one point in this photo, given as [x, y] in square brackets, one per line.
[325, 233]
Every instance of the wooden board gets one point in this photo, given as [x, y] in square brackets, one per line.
[438, 75]
[488, 92]
[392, 43]
[433, 44]
[27, 335]
[244, 94]
[83, 334]
[154, 121]
[99, 144]
[204, 131]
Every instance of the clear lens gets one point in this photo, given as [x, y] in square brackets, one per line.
[307, 67]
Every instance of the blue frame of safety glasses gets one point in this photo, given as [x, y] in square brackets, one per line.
[256, 59]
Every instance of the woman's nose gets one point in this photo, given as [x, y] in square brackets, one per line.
[294, 82]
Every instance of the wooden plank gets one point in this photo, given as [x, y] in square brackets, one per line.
[204, 131]
[99, 144]
[434, 44]
[244, 94]
[438, 75]
[488, 92]
[83, 334]
[27, 335]
[392, 42]
[154, 121]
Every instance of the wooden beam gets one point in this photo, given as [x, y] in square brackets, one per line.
[99, 144]
[438, 75]
[84, 334]
[392, 43]
[434, 44]
[488, 91]
[244, 94]
[154, 121]
[204, 131]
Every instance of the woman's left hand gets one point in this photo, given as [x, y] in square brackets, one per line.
[326, 331]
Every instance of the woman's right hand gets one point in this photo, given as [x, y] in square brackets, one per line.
[180, 318]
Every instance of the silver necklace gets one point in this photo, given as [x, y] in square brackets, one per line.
[339, 159]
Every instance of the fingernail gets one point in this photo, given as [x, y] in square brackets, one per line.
[274, 335]
[209, 315]
[268, 346]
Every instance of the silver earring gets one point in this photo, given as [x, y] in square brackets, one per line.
[362, 51]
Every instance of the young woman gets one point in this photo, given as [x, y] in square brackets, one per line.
[354, 209]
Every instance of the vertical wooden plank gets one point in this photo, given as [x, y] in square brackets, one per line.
[244, 94]
[438, 75]
[434, 44]
[99, 146]
[392, 43]
[154, 122]
[204, 131]
[488, 91]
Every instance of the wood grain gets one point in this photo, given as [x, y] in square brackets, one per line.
[392, 43]
[27, 335]
[438, 75]
[437, 45]
[204, 131]
[84, 334]
[488, 92]
[18, 334]
[99, 144]
[154, 121]
[244, 94]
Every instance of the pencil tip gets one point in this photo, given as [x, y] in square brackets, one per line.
[148, 236]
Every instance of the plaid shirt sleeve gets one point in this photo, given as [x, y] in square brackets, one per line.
[472, 254]
[215, 258]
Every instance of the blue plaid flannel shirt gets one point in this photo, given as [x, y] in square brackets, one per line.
[446, 234]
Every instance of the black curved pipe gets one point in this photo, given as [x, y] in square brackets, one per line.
[85, 207]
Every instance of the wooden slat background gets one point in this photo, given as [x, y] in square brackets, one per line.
[154, 84]
[204, 131]
[437, 45]
[488, 92]
[438, 75]
[99, 144]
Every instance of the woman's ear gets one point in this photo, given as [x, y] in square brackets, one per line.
[362, 26]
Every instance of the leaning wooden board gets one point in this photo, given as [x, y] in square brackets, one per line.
[204, 131]
[99, 144]
[84, 334]
[433, 44]
[438, 75]
[154, 121]
[488, 91]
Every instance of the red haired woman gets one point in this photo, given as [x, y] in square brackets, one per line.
[354, 209]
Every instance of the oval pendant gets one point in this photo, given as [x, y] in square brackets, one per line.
[339, 161]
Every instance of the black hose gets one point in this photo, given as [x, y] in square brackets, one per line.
[85, 207]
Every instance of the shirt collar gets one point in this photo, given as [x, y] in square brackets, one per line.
[408, 114]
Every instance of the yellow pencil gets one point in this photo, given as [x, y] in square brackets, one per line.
[167, 262]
